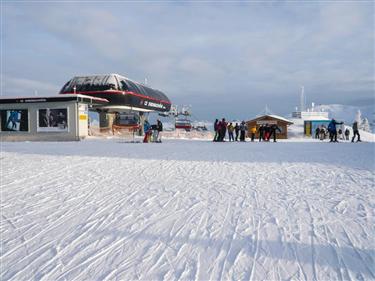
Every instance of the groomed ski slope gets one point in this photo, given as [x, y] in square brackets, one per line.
[187, 210]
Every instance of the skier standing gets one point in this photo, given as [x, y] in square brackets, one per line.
[159, 128]
[223, 129]
[219, 130]
[347, 134]
[230, 132]
[216, 130]
[243, 131]
[237, 130]
[322, 133]
[273, 130]
[261, 133]
[147, 130]
[356, 132]
[341, 136]
[253, 131]
[332, 130]
[317, 132]
[266, 132]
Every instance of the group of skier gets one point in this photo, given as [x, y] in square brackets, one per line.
[334, 132]
[152, 132]
[237, 132]
[221, 127]
[265, 131]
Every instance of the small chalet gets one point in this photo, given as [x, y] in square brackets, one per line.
[270, 119]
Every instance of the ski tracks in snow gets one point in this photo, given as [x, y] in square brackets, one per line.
[97, 218]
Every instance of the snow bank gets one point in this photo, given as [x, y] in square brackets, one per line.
[187, 210]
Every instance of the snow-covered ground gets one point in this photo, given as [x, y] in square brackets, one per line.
[187, 210]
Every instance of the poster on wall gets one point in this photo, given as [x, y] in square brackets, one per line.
[83, 112]
[15, 120]
[53, 120]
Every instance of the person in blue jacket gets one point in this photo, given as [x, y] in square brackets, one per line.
[147, 130]
[333, 130]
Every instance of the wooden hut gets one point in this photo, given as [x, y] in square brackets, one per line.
[281, 122]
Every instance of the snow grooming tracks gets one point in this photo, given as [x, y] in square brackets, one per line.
[106, 218]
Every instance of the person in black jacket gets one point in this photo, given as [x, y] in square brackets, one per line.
[317, 132]
[273, 130]
[243, 130]
[356, 132]
[159, 128]
[216, 129]
[237, 130]
[261, 133]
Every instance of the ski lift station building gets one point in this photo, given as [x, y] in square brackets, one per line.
[64, 117]
[55, 118]
[270, 119]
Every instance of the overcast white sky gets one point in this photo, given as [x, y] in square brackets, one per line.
[225, 59]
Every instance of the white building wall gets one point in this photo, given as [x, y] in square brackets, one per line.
[76, 130]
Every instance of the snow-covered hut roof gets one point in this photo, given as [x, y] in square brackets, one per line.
[271, 116]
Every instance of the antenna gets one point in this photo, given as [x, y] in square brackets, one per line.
[266, 110]
[302, 99]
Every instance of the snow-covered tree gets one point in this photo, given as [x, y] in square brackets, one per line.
[363, 123]
[365, 126]
[358, 117]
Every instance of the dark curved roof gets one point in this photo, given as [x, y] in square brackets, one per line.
[102, 83]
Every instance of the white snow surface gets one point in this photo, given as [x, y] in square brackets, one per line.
[187, 210]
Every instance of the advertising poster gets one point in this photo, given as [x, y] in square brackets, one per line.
[53, 120]
[15, 120]
[83, 112]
